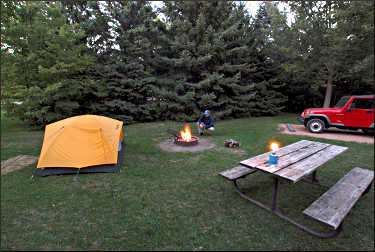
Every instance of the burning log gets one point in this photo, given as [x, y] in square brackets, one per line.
[231, 143]
[173, 132]
[184, 138]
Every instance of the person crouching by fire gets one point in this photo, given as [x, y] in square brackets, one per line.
[206, 122]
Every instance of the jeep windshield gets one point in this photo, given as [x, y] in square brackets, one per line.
[341, 103]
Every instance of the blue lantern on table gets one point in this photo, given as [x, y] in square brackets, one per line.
[274, 157]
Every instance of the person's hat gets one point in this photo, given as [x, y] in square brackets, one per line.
[207, 112]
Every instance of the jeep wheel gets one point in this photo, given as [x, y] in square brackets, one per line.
[368, 131]
[315, 125]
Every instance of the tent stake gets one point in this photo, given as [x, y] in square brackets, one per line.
[75, 177]
[32, 175]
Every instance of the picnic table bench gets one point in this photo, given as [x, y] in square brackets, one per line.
[332, 207]
[296, 162]
[237, 172]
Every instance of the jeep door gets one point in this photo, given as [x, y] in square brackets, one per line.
[360, 113]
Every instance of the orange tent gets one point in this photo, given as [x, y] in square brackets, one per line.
[80, 142]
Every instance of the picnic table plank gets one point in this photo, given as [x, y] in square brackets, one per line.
[236, 172]
[263, 158]
[293, 157]
[332, 207]
[297, 171]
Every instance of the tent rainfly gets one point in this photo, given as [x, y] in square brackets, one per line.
[81, 144]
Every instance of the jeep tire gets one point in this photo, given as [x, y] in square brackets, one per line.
[315, 125]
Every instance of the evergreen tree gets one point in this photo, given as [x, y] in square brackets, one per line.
[275, 37]
[127, 71]
[214, 63]
[270, 82]
[49, 64]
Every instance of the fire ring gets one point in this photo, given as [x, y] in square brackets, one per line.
[179, 141]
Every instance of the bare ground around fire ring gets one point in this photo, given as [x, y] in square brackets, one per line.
[170, 146]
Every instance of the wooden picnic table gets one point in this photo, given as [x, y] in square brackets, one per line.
[296, 162]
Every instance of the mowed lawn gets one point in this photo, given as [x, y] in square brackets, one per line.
[174, 201]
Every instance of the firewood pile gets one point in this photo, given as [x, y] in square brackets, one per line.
[231, 143]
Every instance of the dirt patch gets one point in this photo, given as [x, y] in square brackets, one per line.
[16, 163]
[170, 146]
[334, 134]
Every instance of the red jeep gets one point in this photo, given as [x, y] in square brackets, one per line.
[351, 112]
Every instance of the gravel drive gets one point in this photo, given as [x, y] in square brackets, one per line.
[331, 133]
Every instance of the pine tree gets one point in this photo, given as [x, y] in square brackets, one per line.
[270, 98]
[50, 64]
[126, 69]
[214, 62]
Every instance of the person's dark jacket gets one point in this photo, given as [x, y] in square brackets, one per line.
[208, 121]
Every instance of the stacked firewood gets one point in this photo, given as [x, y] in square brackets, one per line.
[231, 143]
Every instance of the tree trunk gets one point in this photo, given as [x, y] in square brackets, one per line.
[327, 99]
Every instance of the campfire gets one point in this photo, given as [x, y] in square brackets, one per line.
[185, 138]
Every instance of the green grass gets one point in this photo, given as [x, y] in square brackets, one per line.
[174, 201]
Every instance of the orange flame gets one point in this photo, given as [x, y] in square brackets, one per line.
[274, 146]
[186, 133]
